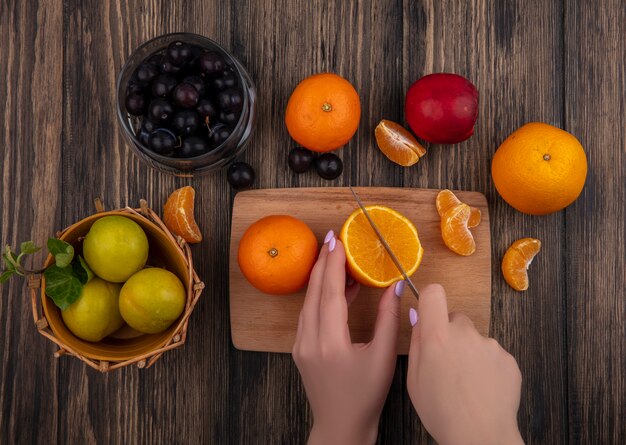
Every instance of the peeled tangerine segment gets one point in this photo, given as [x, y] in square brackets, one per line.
[454, 231]
[178, 215]
[397, 143]
[446, 199]
[516, 261]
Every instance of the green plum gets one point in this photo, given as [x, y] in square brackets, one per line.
[96, 313]
[115, 248]
[152, 299]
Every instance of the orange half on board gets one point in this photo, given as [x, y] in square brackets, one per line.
[368, 261]
[516, 261]
[178, 215]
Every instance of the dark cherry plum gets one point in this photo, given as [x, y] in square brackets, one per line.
[186, 122]
[192, 146]
[230, 100]
[230, 118]
[178, 53]
[328, 165]
[167, 67]
[148, 125]
[205, 108]
[240, 175]
[185, 95]
[162, 141]
[226, 79]
[143, 137]
[211, 63]
[218, 134]
[160, 110]
[162, 85]
[146, 72]
[135, 104]
[154, 59]
[135, 86]
[300, 159]
[197, 83]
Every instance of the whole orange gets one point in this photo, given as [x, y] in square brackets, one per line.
[276, 254]
[323, 112]
[539, 169]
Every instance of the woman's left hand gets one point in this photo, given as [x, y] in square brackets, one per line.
[346, 383]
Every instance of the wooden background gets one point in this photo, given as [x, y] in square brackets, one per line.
[561, 62]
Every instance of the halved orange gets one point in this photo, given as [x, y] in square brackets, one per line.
[454, 231]
[368, 261]
[397, 143]
[178, 215]
[446, 199]
[516, 261]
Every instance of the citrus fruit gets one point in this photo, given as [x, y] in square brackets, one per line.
[446, 199]
[152, 299]
[454, 231]
[276, 254]
[539, 169]
[323, 112]
[368, 261]
[96, 313]
[115, 248]
[516, 261]
[398, 144]
[178, 214]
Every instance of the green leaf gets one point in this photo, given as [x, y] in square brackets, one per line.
[6, 275]
[63, 252]
[62, 286]
[82, 270]
[28, 247]
[10, 265]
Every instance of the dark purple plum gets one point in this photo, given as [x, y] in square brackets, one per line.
[206, 108]
[178, 53]
[218, 134]
[230, 100]
[162, 85]
[160, 110]
[186, 122]
[211, 63]
[185, 95]
[197, 83]
[328, 165]
[148, 125]
[146, 72]
[240, 175]
[192, 146]
[162, 141]
[167, 67]
[230, 118]
[135, 104]
[226, 79]
[300, 159]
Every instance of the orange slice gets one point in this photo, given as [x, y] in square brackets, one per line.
[398, 144]
[446, 200]
[516, 261]
[368, 261]
[454, 231]
[178, 215]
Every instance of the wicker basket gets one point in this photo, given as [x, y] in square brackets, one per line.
[47, 316]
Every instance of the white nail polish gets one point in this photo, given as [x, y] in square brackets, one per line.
[330, 235]
[332, 244]
[413, 317]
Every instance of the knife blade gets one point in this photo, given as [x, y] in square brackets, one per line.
[383, 241]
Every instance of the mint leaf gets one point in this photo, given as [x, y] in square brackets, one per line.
[82, 271]
[63, 252]
[6, 275]
[28, 247]
[62, 285]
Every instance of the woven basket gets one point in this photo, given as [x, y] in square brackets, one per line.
[174, 337]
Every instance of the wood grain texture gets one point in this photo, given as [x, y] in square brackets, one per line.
[262, 322]
[595, 268]
[555, 61]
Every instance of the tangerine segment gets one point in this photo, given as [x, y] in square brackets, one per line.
[516, 261]
[368, 261]
[446, 199]
[178, 215]
[454, 231]
[277, 253]
[398, 144]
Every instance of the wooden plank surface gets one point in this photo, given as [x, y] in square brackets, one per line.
[261, 322]
[556, 61]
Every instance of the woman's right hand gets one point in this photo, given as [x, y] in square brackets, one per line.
[464, 387]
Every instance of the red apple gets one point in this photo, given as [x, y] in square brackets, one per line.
[442, 108]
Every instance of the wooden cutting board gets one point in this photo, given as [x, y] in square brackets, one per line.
[262, 322]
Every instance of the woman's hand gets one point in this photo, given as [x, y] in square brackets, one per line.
[346, 383]
[465, 387]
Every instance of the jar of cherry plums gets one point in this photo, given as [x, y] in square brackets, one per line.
[185, 104]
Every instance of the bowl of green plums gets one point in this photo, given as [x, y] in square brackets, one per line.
[118, 289]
